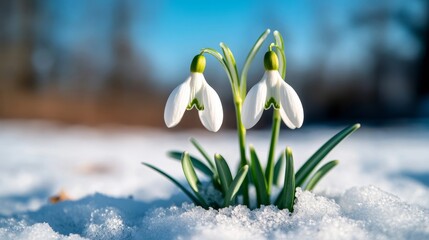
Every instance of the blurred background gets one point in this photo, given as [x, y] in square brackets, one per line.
[116, 62]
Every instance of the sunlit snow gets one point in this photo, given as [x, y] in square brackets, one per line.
[380, 189]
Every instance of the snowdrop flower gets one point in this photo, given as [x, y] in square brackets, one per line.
[195, 92]
[272, 90]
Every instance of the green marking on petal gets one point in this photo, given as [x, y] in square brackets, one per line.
[195, 103]
[271, 102]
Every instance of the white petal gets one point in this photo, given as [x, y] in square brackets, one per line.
[272, 77]
[176, 104]
[253, 105]
[274, 80]
[291, 104]
[286, 120]
[197, 81]
[212, 115]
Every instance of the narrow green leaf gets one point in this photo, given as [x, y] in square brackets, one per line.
[289, 185]
[288, 192]
[184, 190]
[277, 169]
[280, 51]
[189, 171]
[195, 161]
[249, 60]
[280, 198]
[203, 152]
[225, 175]
[306, 169]
[320, 174]
[258, 179]
[244, 189]
[279, 39]
[235, 185]
[232, 66]
[191, 176]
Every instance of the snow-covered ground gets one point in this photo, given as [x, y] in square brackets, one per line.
[380, 190]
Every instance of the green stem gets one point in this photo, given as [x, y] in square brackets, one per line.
[269, 171]
[275, 129]
[241, 131]
[230, 68]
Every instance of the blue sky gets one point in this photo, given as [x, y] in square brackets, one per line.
[170, 33]
[178, 30]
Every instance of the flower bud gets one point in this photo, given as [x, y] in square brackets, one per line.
[198, 64]
[271, 62]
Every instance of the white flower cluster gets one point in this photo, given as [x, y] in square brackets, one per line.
[272, 90]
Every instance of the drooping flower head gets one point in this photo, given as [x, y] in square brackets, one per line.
[195, 92]
[272, 90]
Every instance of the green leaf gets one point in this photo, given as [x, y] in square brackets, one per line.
[287, 196]
[225, 175]
[258, 179]
[235, 185]
[280, 51]
[204, 153]
[289, 185]
[232, 66]
[277, 169]
[191, 176]
[195, 161]
[249, 60]
[188, 193]
[306, 169]
[320, 174]
[279, 39]
[244, 189]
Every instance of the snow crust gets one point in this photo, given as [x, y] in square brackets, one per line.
[359, 213]
[380, 190]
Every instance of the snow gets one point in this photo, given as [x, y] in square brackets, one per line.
[380, 190]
